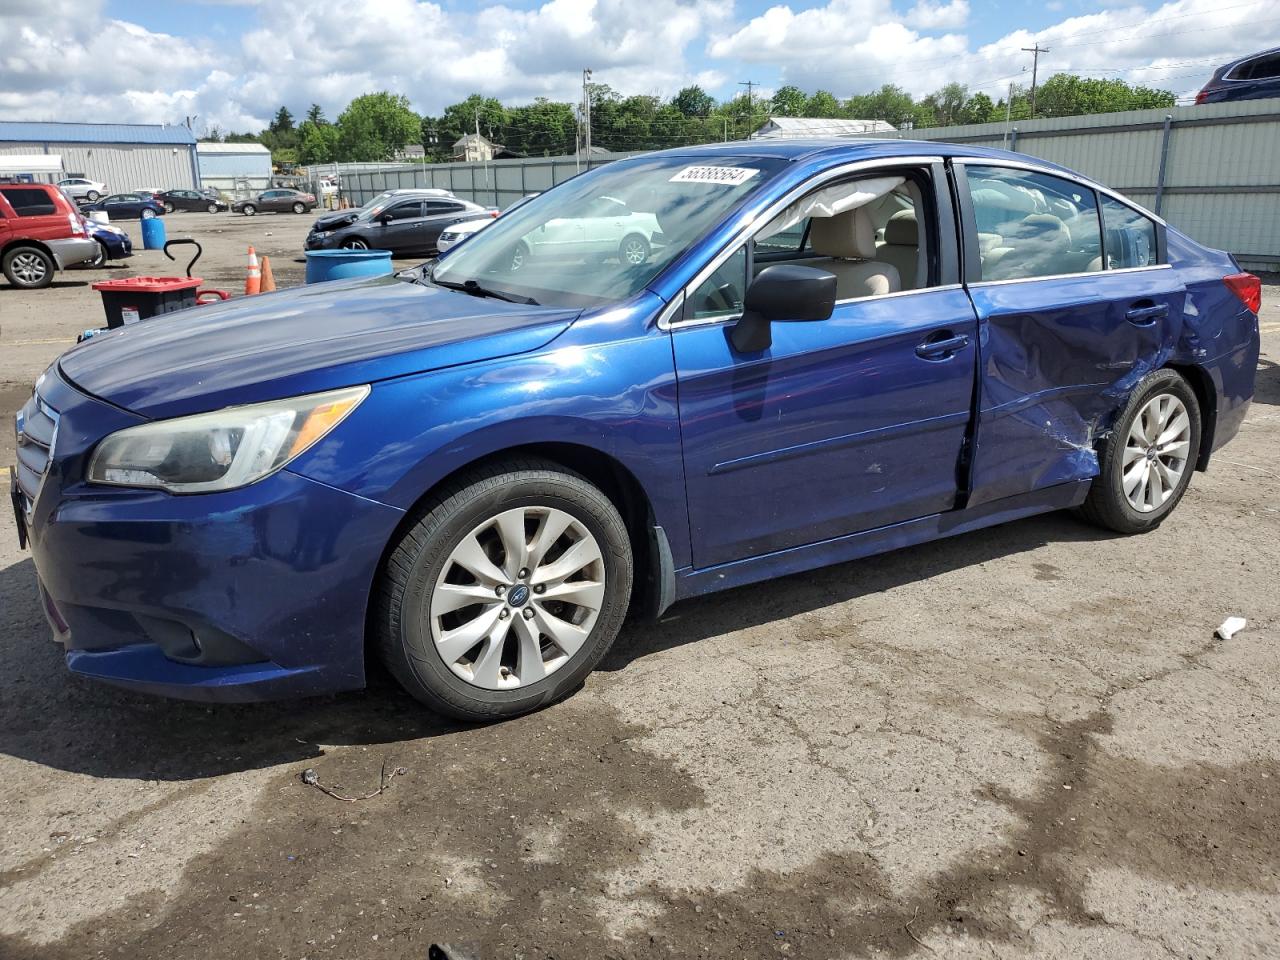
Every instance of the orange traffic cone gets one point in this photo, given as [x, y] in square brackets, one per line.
[268, 278]
[253, 278]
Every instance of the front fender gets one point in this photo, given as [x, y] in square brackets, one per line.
[615, 396]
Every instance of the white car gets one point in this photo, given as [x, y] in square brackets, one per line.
[78, 188]
[460, 231]
[609, 228]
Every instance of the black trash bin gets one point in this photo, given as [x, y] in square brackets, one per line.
[137, 298]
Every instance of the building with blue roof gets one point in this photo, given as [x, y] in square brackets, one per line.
[124, 156]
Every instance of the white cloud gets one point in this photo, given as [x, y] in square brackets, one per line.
[852, 46]
[67, 60]
[939, 16]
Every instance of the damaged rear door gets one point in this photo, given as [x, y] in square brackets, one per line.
[1071, 317]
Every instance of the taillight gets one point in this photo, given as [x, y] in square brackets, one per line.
[1202, 95]
[1247, 287]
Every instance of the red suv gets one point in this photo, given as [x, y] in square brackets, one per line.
[40, 231]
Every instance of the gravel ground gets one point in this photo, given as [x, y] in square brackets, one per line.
[1019, 743]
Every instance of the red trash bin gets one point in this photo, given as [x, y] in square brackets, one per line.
[137, 298]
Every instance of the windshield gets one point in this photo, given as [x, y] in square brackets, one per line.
[626, 221]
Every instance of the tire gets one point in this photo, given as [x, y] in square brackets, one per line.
[249, 210]
[519, 256]
[147, 214]
[354, 243]
[28, 268]
[212, 207]
[169, 207]
[633, 250]
[299, 208]
[1131, 457]
[101, 259]
[512, 647]
[92, 196]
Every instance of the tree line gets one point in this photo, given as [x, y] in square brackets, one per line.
[378, 126]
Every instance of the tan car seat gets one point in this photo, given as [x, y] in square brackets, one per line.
[845, 245]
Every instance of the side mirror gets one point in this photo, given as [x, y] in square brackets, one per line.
[779, 294]
[384, 219]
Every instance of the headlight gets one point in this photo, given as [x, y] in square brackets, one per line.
[221, 450]
[323, 234]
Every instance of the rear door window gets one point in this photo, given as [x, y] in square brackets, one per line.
[1130, 238]
[1033, 224]
[405, 211]
[30, 203]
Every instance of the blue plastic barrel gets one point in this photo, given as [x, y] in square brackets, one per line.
[153, 234]
[325, 265]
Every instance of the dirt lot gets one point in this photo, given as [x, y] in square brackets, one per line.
[1023, 742]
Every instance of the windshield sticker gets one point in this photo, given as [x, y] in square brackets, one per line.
[728, 175]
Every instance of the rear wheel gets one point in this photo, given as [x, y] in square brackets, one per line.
[28, 267]
[147, 214]
[249, 209]
[92, 196]
[299, 207]
[1146, 463]
[634, 250]
[506, 592]
[169, 207]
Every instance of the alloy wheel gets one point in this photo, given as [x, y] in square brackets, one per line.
[29, 268]
[1156, 452]
[634, 252]
[355, 244]
[517, 597]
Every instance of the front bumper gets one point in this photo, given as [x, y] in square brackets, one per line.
[72, 250]
[250, 594]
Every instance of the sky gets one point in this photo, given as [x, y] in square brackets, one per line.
[231, 63]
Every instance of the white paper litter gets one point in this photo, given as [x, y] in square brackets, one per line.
[1230, 627]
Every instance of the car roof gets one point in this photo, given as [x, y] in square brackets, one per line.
[1251, 56]
[842, 148]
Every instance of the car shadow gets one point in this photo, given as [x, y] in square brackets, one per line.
[757, 604]
[1266, 388]
[53, 285]
[52, 718]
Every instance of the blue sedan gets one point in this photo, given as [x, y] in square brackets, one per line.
[128, 206]
[474, 470]
[113, 243]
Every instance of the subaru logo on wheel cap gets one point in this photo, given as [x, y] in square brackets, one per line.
[518, 595]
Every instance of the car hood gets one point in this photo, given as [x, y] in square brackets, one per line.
[300, 341]
[331, 221]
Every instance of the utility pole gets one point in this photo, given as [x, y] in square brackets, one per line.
[586, 112]
[751, 107]
[1035, 63]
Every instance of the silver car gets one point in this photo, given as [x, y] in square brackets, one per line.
[78, 188]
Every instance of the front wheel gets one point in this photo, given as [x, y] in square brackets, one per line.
[354, 243]
[212, 208]
[519, 256]
[299, 208]
[506, 592]
[1146, 463]
[100, 260]
[249, 209]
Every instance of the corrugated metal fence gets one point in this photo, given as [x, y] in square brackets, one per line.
[496, 184]
[1212, 171]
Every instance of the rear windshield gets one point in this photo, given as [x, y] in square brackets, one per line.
[29, 203]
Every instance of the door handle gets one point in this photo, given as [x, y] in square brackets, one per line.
[1146, 313]
[942, 349]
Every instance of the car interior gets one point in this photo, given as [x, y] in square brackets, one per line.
[866, 232]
